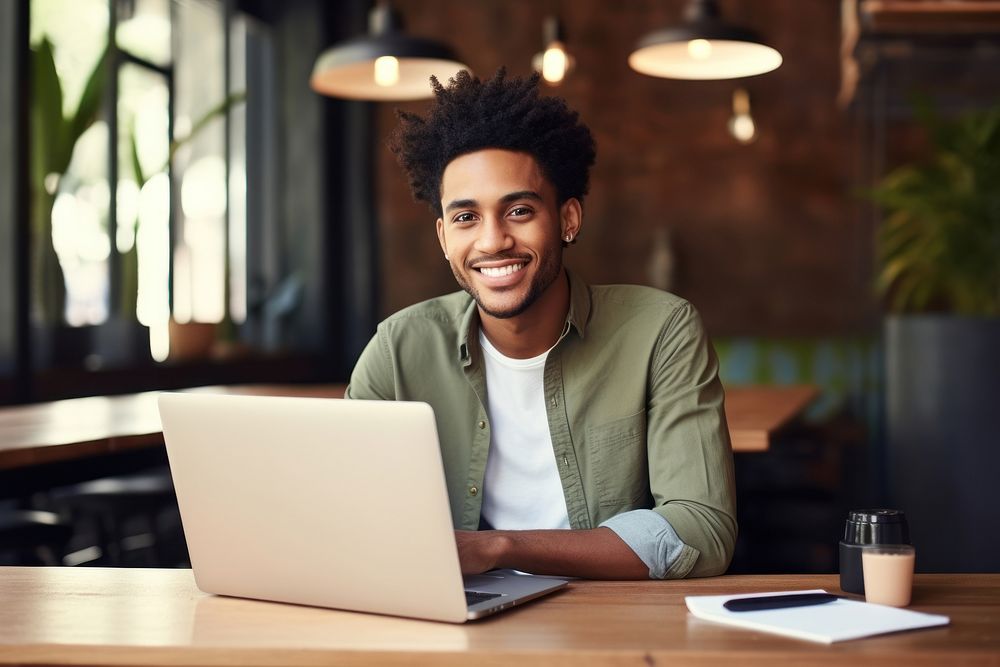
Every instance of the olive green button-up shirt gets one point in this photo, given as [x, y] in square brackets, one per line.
[634, 403]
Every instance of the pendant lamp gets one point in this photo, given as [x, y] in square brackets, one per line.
[554, 63]
[703, 47]
[384, 65]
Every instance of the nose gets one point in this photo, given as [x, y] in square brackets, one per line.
[493, 236]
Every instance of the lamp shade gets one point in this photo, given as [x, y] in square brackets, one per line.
[703, 47]
[385, 65]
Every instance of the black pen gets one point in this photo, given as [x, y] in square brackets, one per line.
[778, 601]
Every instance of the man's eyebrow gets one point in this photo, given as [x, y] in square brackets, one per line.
[521, 194]
[461, 203]
[506, 199]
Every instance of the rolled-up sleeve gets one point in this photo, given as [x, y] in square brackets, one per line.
[655, 542]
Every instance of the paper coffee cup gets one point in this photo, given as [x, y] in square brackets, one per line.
[888, 573]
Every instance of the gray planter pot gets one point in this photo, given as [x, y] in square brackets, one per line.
[943, 438]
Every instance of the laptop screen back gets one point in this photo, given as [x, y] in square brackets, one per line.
[325, 502]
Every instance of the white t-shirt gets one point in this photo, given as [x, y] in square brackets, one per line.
[522, 489]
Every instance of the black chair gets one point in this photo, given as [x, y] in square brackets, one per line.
[33, 537]
[126, 515]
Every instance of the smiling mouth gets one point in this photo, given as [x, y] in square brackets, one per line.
[500, 271]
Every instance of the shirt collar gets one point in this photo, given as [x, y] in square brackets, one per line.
[579, 303]
[468, 333]
[577, 318]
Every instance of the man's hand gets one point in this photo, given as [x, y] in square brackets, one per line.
[593, 554]
[479, 551]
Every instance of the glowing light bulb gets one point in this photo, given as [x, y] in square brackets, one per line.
[554, 63]
[386, 71]
[700, 49]
[743, 129]
[741, 124]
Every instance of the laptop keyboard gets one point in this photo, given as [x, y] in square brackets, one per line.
[475, 597]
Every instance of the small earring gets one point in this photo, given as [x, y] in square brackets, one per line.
[569, 238]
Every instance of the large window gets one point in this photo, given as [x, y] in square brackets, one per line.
[179, 207]
[138, 172]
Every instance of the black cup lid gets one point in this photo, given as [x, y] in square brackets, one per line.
[877, 516]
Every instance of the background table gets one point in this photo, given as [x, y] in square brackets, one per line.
[755, 413]
[158, 617]
[84, 427]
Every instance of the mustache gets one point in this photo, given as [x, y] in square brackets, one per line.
[498, 257]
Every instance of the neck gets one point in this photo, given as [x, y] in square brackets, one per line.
[535, 330]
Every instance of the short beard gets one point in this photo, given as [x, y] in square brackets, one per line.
[547, 274]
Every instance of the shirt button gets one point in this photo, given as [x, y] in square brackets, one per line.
[482, 425]
[473, 490]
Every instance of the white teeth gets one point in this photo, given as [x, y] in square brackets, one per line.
[500, 271]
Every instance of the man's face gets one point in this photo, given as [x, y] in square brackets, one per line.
[501, 229]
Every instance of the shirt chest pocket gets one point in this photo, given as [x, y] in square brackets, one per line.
[620, 465]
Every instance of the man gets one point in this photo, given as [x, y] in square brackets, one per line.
[559, 405]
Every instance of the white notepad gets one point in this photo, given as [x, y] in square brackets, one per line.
[826, 623]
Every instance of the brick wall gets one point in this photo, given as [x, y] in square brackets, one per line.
[768, 238]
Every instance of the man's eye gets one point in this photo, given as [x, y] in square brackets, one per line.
[520, 211]
[464, 217]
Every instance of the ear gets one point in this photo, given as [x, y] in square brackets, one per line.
[570, 218]
[441, 240]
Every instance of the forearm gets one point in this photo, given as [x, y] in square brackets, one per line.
[590, 554]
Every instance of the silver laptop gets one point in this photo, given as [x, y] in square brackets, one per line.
[325, 502]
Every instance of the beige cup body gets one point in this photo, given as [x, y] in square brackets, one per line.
[888, 574]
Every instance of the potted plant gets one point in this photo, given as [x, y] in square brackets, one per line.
[939, 254]
[53, 138]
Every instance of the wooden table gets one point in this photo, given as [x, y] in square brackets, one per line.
[157, 617]
[756, 413]
[82, 427]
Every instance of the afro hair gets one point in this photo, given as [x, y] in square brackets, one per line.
[472, 115]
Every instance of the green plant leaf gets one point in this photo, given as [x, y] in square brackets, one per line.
[217, 111]
[129, 281]
[89, 106]
[48, 125]
[890, 273]
[902, 296]
[133, 141]
[939, 245]
[922, 294]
